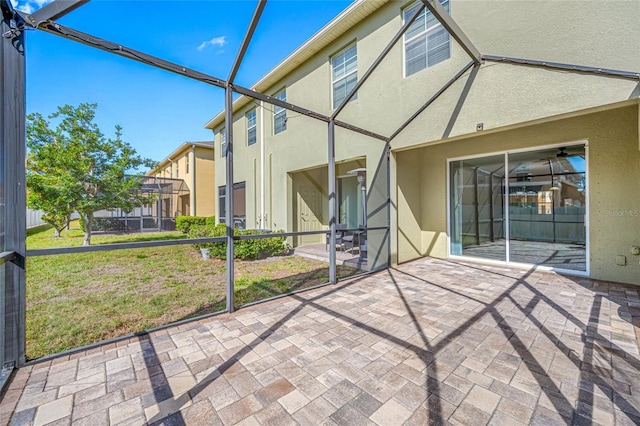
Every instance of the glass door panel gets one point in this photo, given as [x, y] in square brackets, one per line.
[477, 208]
[547, 206]
[349, 202]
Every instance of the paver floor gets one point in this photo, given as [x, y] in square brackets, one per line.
[433, 341]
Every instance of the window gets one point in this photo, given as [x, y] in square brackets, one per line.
[177, 169]
[251, 127]
[344, 75]
[239, 205]
[426, 42]
[545, 202]
[222, 207]
[280, 114]
[223, 142]
[186, 164]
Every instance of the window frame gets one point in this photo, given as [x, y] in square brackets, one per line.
[238, 188]
[424, 33]
[351, 45]
[279, 111]
[253, 127]
[223, 142]
[186, 164]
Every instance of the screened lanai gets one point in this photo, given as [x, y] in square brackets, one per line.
[487, 222]
[166, 198]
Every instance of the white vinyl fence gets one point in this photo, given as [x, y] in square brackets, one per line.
[34, 218]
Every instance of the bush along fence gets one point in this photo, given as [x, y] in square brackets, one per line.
[243, 249]
[184, 223]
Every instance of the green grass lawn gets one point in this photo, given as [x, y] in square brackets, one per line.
[78, 299]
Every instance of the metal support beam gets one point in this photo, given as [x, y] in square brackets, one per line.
[247, 39]
[71, 34]
[12, 154]
[452, 27]
[632, 75]
[273, 101]
[54, 10]
[333, 217]
[117, 49]
[377, 62]
[431, 100]
[360, 130]
[228, 200]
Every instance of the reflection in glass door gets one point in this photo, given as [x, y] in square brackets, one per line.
[546, 204]
[477, 208]
[349, 202]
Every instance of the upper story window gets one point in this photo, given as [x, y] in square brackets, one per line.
[186, 163]
[426, 42]
[177, 169]
[251, 127]
[279, 113]
[344, 74]
[223, 142]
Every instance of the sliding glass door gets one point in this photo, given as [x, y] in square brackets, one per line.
[525, 207]
[547, 207]
[477, 208]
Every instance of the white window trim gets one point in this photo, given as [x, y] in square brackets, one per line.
[255, 126]
[223, 142]
[283, 111]
[406, 41]
[344, 77]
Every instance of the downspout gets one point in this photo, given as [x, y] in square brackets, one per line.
[262, 224]
[192, 193]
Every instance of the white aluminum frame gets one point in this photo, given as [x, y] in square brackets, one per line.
[507, 262]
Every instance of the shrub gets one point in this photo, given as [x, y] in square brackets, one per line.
[184, 223]
[244, 249]
[207, 231]
[211, 221]
[260, 248]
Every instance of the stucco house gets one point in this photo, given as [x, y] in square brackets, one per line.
[529, 156]
[191, 168]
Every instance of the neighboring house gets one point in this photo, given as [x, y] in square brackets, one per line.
[512, 164]
[191, 169]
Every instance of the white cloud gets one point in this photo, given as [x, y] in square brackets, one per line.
[216, 41]
[29, 6]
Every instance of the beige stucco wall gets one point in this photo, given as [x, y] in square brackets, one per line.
[302, 146]
[613, 189]
[204, 191]
[496, 95]
[199, 179]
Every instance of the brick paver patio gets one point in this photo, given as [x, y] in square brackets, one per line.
[430, 342]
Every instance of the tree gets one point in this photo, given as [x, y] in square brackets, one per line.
[74, 167]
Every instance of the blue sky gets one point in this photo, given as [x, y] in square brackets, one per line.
[157, 109]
